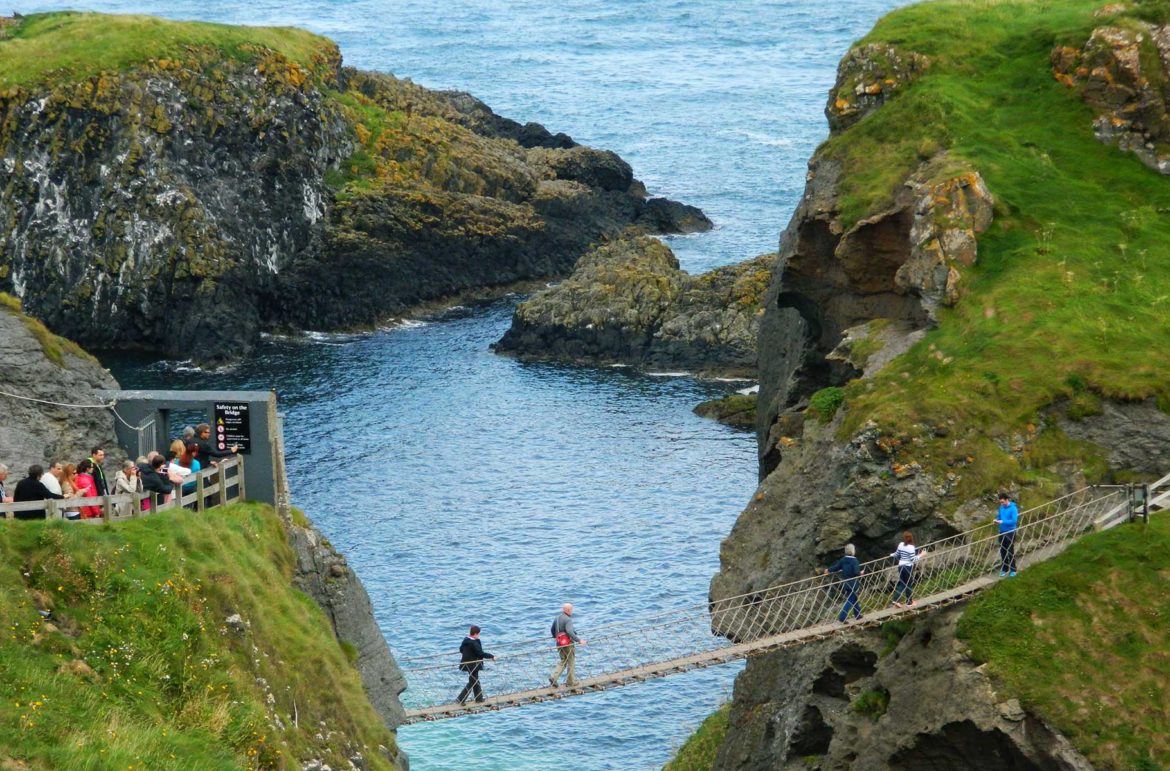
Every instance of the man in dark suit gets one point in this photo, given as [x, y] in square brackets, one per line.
[471, 657]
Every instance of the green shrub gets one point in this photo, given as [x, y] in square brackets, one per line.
[873, 703]
[825, 402]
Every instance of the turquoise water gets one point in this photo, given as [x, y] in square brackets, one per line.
[468, 488]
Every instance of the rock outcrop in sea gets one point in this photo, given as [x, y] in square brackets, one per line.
[629, 302]
[184, 203]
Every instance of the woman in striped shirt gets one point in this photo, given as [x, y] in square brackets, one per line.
[907, 555]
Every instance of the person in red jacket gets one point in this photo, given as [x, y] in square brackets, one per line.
[87, 488]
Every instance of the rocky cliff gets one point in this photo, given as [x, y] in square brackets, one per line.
[184, 186]
[950, 315]
[40, 373]
[37, 365]
[629, 302]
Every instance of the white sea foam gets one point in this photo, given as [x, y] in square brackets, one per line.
[669, 374]
[750, 390]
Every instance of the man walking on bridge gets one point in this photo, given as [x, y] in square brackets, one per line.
[1008, 519]
[850, 570]
[567, 642]
[471, 657]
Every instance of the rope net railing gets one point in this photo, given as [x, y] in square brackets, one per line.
[697, 635]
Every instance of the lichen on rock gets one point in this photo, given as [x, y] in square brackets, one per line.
[867, 77]
[1122, 72]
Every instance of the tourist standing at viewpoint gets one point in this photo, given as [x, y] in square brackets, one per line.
[69, 490]
[155, 479]
[51, 479]
[86, 487]
[4, 496]
[907, 556]
[567, 642]
[31, 489]
[1008, 519]
[207, 448]
[850, 570]
[96, 456]
[471, 658]
[127, 482]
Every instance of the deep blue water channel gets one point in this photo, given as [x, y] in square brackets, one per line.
[469, 488]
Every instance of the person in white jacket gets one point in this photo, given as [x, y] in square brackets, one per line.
[907, 555]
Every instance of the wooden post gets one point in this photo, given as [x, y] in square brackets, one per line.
[221, 475]
[107, 509]
[240, 476]
[135, 505]
[51, 511]
[199, 492]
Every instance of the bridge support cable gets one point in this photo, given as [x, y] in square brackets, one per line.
[788, 614]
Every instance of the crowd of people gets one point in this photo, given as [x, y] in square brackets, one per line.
[164, 475]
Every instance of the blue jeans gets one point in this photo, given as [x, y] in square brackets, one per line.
[851, 601]
[905, 583]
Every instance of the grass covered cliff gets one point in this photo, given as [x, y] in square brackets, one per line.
[168, 183]
[971, 296]
[172, 641]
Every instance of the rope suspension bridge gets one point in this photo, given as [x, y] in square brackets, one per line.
[781, 616]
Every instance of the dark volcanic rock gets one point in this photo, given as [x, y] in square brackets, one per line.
[629, 302]
[735, 410]
[184, 206]
[943, 710]
[324, 575]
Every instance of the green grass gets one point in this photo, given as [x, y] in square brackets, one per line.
[698, 753]
[1082, 640]
[74, 46]
[1071, 281]
[138, 669]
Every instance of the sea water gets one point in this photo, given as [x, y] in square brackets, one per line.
[469, 488]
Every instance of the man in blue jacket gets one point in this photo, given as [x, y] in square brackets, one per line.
[471, 658]
[1008, 520]
[850, 570]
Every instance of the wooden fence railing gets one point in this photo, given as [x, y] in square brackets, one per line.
[212, 486]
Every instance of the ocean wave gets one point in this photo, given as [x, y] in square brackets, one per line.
[669, 374]
[749, 390]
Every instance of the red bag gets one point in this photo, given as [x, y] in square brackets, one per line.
[563, 640]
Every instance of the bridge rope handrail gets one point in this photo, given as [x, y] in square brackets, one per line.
[606, 631]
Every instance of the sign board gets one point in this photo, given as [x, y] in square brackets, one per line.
[231, 427]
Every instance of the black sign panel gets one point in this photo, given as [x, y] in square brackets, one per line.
[231, 427]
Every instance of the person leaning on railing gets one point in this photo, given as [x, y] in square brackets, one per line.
[207, 449]
[154, 479]
[31, 489]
